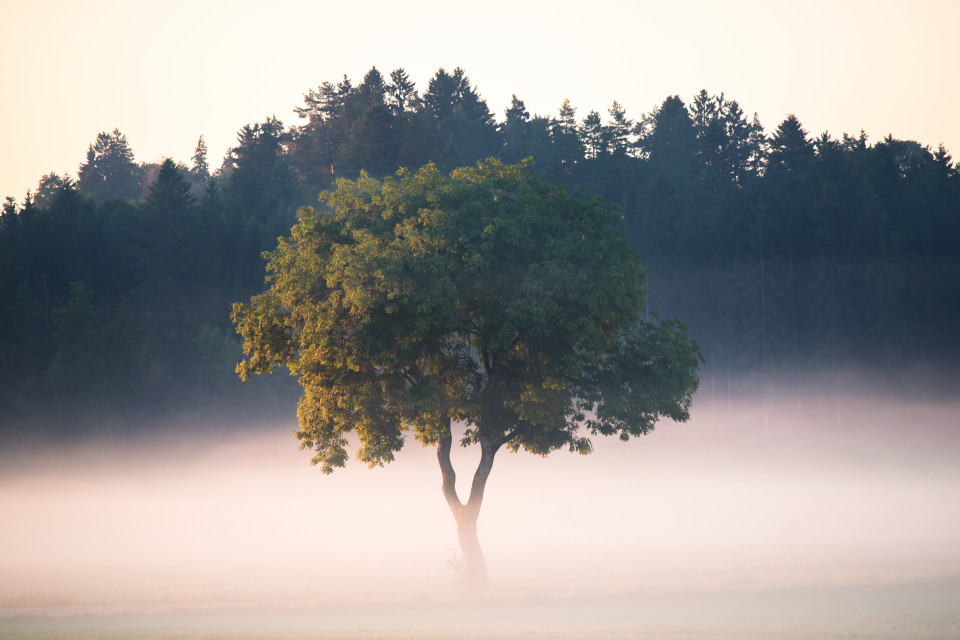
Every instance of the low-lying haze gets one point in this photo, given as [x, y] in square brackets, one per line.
[761, 494]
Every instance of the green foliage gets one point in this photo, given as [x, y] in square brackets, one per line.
[484, 296]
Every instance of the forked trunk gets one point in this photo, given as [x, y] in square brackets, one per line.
[466, 515]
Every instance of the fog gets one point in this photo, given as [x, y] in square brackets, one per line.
[776, 493]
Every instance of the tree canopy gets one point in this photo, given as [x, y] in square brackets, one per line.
[485, 296]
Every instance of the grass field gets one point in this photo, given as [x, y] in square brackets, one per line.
[920, 611]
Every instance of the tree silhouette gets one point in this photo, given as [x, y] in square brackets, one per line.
[110, 171]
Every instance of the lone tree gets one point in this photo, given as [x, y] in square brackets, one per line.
[485, 298]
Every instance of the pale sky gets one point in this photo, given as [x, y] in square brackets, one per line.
[166, 72]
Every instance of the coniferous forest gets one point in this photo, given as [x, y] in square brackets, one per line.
[781, 250]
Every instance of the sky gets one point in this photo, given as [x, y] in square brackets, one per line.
[167, 73]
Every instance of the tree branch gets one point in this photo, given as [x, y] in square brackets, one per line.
[510, 436]
[447, 471]
[488, 450]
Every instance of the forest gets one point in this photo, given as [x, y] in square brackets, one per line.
[781, 251]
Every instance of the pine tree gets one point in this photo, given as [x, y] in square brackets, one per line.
[110, 171]
[515, 131]
[200, 171]
[619, 130]
[401, 93]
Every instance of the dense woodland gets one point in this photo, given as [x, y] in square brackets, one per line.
[779, 250]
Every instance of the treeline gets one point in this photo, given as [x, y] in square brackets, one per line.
[777, 250]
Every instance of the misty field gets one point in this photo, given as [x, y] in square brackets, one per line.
[916, 611]
[786, 513]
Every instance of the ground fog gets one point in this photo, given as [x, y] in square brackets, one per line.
[780, 509]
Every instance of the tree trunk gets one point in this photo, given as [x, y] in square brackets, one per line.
[466, 515]
[475, 567]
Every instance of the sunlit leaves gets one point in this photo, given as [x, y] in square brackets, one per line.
[485, 296]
